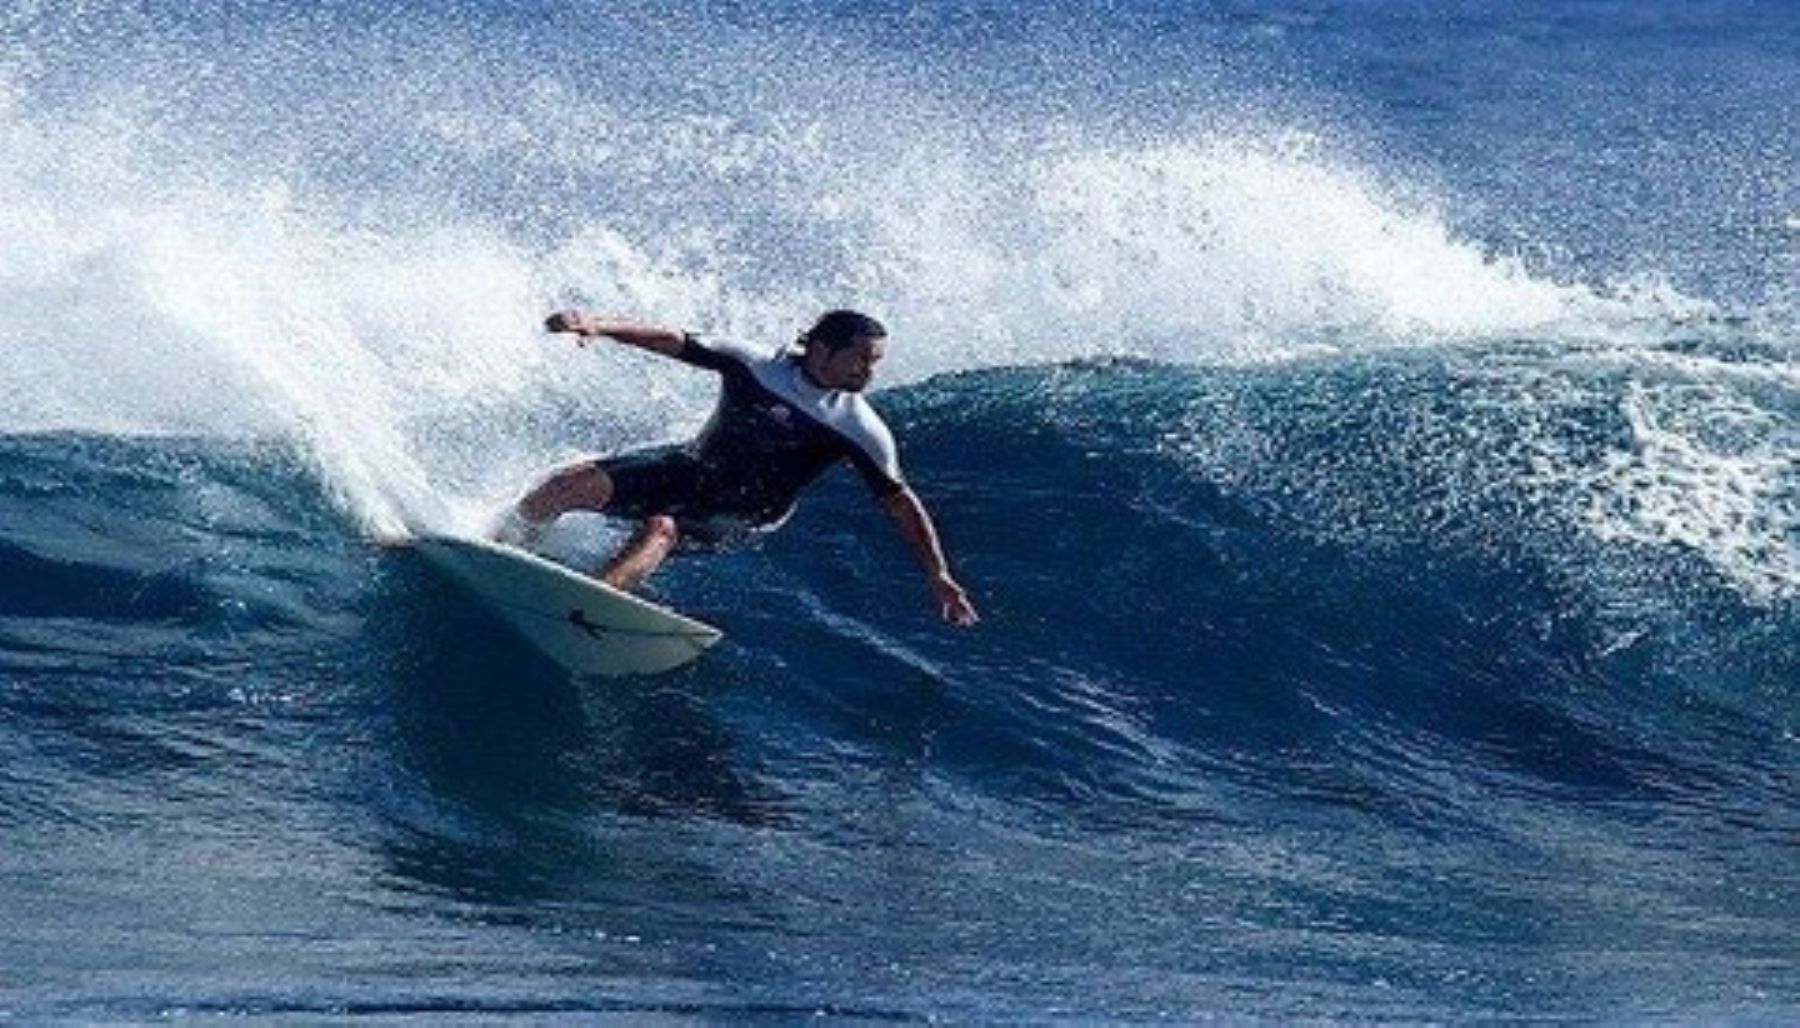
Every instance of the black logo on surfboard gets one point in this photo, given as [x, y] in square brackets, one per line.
[579, 619]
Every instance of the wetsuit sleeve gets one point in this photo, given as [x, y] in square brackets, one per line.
[715, 355]
[877, 459]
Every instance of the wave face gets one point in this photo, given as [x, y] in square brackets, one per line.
[1370, 437]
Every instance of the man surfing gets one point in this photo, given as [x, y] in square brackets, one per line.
[781, 422]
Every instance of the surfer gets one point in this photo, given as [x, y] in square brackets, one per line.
[781, 421]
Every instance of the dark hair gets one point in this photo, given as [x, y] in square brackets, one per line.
[837, 329]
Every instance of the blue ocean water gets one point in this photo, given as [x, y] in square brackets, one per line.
[1369, 431]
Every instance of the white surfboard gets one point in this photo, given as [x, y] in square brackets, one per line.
[581, 623]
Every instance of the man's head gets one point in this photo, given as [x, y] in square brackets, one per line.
[842, 349]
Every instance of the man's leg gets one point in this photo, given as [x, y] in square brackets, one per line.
[583, 485]
[649, 546]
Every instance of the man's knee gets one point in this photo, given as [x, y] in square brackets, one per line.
[587, 481]
[584, 485]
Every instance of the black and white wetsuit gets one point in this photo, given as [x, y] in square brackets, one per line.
[773, 432]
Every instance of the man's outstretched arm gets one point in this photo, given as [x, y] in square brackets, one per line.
[915, 525]
[655, 338]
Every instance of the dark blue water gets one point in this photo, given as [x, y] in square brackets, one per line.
[1369, 432]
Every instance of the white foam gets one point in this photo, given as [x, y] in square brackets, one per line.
[1210, 250]
[138, 306]
[1707, 472]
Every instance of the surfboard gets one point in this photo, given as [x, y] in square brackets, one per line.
[585, 625]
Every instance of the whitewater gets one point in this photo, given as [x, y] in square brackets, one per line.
[1370, 433]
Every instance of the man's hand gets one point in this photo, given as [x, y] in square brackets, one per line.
[583, 325]
[953, 602]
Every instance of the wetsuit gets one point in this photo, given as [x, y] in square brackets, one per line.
[773, 432]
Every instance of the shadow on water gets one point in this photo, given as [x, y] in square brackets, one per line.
[35, 586]
[514, 782]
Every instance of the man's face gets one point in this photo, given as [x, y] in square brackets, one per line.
[850, 368]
